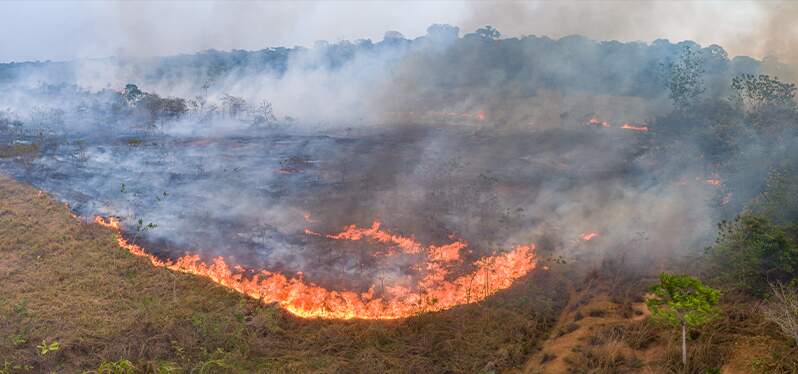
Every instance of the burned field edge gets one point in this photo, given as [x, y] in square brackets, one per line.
[67, 282]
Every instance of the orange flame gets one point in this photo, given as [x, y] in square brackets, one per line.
[306, 300]
[726, 198]
[597, 122]
[628, 126]
[588, 236]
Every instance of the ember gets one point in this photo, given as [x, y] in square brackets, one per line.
[588, 236]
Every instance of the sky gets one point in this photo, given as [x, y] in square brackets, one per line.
[65, 30]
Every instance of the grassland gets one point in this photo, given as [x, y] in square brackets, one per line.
[66, 282]
[71, 301]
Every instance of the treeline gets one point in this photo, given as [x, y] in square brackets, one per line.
[440, 61]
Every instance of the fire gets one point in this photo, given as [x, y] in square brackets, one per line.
[713, 181]
[432, 293]
[628, 126]
[594, 121]
[726, 198]
[597, 122]
[588, 236]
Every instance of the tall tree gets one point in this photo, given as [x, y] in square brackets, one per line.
[685, 78]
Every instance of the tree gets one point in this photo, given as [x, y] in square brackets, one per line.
[783, 309]
[488, 32]
[132, 94]
[682, 300]
[752, 251]
[233, 105]
[685, 78]
[761, 91]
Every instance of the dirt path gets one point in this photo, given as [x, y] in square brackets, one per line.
[590, 309]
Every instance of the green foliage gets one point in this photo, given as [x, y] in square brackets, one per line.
[682, 299]
[488, 32]
[10, 367]
[756, 92]
[752, 251]
[151, 106]
[779, 200]
[121, 366]
[685, 79]
[46, 348]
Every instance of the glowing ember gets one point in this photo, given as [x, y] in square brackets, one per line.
[588, 236]
[303, 299]
[641, 128]
[597, 122]
[726, 198]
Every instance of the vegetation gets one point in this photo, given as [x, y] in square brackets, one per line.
[752, 251]
[66, 281]
[681, 300]
[782, 309]
[72, 301]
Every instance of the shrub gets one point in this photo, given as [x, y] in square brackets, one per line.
[752, 251]
[783, 310]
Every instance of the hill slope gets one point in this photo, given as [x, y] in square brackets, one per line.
[66, 281]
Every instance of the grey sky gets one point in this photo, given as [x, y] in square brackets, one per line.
[67, 30]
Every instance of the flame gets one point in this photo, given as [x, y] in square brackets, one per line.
[594, 121]
[628, 126]
[597, 122]
[588, 236]
[713, 181]
[726, 198]
[306, 300]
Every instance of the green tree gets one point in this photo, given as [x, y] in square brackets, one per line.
[685, 79]
[681, 300]
[752, 251]
[756, 92]
[488, 32]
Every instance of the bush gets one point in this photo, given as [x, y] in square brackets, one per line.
[783, 310]
[752, 251]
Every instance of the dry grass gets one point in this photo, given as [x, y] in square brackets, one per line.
[67, 282]
[16, 150]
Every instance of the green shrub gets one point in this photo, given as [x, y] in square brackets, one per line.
[752, 251]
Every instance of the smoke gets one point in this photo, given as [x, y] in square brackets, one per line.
[92, 30]
[444, 137]
[757, 29]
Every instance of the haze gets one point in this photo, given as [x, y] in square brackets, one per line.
[73, 30]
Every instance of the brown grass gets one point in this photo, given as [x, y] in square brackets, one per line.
[66, 281]
[16, 150]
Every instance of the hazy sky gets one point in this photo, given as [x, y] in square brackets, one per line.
[67, 30]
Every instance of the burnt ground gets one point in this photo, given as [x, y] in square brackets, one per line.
[249, 198]
[66, 281]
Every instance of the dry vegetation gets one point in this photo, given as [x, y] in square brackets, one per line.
[606, 328]
[67, 282]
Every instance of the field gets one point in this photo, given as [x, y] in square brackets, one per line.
[66, 281]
